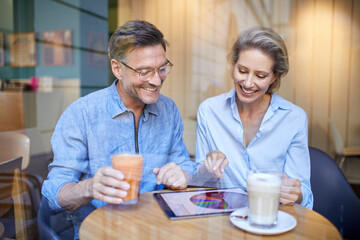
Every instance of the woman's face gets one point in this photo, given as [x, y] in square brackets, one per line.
[252, 75]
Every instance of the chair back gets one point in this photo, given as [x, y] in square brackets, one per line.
[333, 196]
[53, 225]
[13, 145]
[44, 214]
[12, 115]
[11, 191]
[338, 142]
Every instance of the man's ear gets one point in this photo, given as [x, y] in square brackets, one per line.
[116, 68]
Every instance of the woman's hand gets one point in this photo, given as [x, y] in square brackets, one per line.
[215, 163]
[290, 191]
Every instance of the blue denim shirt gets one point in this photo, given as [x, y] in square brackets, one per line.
[99, 125]
[281, 142]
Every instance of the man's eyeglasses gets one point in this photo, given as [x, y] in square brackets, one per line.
[148, 73]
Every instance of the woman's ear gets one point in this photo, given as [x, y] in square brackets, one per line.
[274, 78]
[116, 68]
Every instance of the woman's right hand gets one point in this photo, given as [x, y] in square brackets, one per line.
[215, 163]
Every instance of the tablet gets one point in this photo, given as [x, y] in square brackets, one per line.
[201, 203]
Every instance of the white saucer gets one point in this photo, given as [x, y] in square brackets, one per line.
[286, 222]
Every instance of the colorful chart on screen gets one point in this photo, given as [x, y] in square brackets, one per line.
[219, 200]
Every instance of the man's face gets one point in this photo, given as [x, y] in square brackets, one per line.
[132, 89]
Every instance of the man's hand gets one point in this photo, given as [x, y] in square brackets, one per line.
[215, 163]
[107, 185]
[290, 191]
[172, 176]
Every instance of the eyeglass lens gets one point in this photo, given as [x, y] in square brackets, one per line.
[147, 74]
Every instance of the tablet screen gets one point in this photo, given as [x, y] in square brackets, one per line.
[201, 202]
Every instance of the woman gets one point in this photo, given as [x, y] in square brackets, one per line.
[254, 127]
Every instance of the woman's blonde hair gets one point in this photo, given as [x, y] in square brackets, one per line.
[268, 42]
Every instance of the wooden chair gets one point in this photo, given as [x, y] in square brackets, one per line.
[11, 189]
[342, 152]
[13, 145]
[11, 110]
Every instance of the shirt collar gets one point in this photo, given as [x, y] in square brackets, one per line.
[230, 98]
[151, 108]
[278, 102]
[117, 107]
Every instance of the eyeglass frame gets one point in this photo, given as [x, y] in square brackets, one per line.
[154, 69]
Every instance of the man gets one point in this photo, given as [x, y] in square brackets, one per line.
[131, 116]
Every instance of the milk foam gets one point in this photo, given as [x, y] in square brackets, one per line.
[263, 180]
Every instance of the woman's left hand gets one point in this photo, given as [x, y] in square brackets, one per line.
[290, 191]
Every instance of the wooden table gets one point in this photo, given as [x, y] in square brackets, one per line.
[146, 220]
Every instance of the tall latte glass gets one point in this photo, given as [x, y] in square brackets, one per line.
[263, 189]
[131, 166]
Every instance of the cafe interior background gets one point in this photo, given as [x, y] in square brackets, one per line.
[54, 51]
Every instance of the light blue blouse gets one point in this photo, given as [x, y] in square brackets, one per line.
[281, 142]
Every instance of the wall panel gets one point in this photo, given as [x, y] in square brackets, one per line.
[353, 131]
[303, 55]
[164, 22]
[151, 11]
[320, 79]
[178, 49]
[125, 11]
[340, 75]
[285, 26]
[190, 92]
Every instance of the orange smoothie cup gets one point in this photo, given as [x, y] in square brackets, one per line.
[131, 166]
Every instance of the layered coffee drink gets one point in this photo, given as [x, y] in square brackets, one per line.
[263, 189]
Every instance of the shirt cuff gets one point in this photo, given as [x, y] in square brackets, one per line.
[308, 199]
